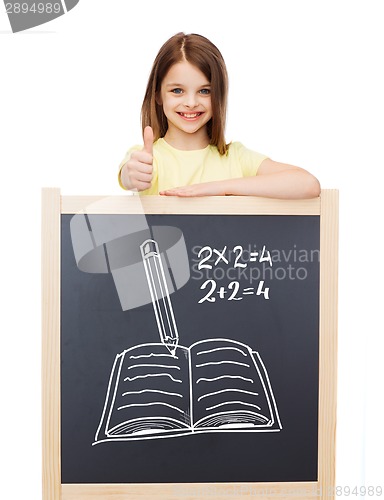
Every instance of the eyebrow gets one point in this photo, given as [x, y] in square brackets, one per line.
[182, 85]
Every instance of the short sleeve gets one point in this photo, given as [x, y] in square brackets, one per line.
[249, 160]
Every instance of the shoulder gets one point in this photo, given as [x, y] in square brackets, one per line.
[239, 148]
[235, 146]
[248, 159]
[245, 154]
[234, 149]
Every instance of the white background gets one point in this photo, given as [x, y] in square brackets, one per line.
[306, 87]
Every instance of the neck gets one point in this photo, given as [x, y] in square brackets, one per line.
[187, 142]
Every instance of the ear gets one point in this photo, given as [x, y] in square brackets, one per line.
[158, 99]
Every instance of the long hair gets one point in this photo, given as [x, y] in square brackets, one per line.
[203, 54]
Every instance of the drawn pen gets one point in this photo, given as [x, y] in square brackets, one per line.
[161, 300]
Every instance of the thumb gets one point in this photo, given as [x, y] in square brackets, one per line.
[148, 140]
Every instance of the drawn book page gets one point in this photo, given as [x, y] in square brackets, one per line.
[231, 388]
[152, 394]
[148, 393]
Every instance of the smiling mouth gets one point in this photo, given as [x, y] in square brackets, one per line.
[190, 116]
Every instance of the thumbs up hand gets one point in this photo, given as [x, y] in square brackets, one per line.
[137, 172]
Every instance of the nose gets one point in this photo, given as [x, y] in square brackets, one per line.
[190, 100]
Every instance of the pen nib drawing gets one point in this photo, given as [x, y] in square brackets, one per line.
[161, 301]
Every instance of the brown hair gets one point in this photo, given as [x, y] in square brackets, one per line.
[203, 54]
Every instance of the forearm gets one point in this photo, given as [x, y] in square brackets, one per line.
[288, 184]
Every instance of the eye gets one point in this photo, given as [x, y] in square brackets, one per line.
[177, 91]
[205, 91]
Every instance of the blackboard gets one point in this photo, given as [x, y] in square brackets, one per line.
[246, 366]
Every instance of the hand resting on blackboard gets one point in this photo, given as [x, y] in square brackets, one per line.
[183, 121]
[273, 180]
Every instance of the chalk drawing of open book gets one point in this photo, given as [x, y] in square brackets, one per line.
[164, 389]
[214, 385]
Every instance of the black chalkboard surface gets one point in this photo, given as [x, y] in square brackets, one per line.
[235, 397]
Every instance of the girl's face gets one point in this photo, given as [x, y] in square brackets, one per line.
[185, 95]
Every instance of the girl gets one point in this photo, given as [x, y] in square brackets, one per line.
[183, 120]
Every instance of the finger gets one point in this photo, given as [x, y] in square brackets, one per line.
[141, 177]
[142, 156]
[171, 192]
[141, 186]
[142, 166]
[148, 140]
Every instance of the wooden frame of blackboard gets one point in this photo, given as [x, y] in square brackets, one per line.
[53, 205]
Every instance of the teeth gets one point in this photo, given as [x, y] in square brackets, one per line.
[190, 115]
